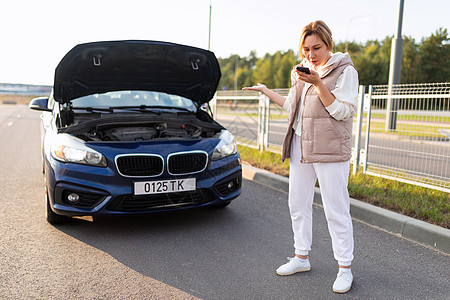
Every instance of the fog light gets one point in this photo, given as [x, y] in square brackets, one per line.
[73, 198]
[230, 185]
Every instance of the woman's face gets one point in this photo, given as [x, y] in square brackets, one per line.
[315, 50]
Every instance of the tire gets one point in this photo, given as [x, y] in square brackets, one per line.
[54, 218]
[43, 163]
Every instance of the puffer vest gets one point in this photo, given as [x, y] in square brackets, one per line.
[323, 138]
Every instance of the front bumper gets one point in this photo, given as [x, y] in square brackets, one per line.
[102, 191]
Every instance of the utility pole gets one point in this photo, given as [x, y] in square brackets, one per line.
[394, 72]
[236, 72]
[209, 36]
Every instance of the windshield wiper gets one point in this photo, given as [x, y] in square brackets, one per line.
[174, 107]
[95, 109]
[140, 108]
[145, 107]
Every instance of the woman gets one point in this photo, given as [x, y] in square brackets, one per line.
[321, 105]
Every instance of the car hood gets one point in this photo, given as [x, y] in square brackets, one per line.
[101, 67]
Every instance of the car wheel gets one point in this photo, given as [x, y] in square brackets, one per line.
[54, 218]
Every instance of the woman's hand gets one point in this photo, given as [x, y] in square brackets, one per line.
[325, 95]
[312, 78]
[277, 98]
[258, 87]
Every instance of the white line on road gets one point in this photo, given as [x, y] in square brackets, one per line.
[10, 123]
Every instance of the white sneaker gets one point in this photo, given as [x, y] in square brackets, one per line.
[343, 282]
[294, 265]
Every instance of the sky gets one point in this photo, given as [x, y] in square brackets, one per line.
[35, 35]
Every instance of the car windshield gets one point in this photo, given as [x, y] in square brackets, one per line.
[134, 99]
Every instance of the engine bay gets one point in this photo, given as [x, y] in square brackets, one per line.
[141, 127]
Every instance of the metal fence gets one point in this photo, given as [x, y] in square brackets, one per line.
[400, 133]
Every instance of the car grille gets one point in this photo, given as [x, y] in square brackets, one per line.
[140, 165]
[184, 163]
[128, 203]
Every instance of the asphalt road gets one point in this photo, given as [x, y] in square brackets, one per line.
[229, 253]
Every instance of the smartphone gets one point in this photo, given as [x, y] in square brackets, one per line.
[304, 70]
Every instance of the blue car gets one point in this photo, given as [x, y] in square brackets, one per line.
[124, 132]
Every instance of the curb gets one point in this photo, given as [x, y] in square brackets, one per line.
[430, 235]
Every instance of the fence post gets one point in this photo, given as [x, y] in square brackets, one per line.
[359, 119]
[260, 122]
[391, 110]
[266, 123]
[213, 106]
[368, 109]
[263, 122]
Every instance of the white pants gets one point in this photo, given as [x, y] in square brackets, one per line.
[333, 181]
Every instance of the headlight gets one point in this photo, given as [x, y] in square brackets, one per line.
[226, 147]
[67, 149]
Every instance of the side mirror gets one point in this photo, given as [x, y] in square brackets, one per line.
[39, 103]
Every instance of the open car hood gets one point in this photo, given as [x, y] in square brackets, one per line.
[101, 67]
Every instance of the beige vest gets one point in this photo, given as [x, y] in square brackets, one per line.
[323, 138]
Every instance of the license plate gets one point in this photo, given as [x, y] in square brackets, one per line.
[164, 186]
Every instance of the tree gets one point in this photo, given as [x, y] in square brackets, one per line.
[434, 58]
[228, 69]
[353, 48]
[264, 71]
[409, 61]
[372, 62]
[283, 72]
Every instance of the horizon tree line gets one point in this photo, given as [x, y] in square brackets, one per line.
[425, 61]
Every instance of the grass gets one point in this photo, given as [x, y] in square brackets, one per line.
[411, 130]
[425, 204]
[418, 118]
[264, 160]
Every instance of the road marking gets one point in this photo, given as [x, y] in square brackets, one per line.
[18, 116]
[10, 123]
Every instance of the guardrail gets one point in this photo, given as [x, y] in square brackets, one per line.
[401, 134]
[410, 125]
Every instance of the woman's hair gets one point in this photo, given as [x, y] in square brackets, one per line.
[322, 31]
